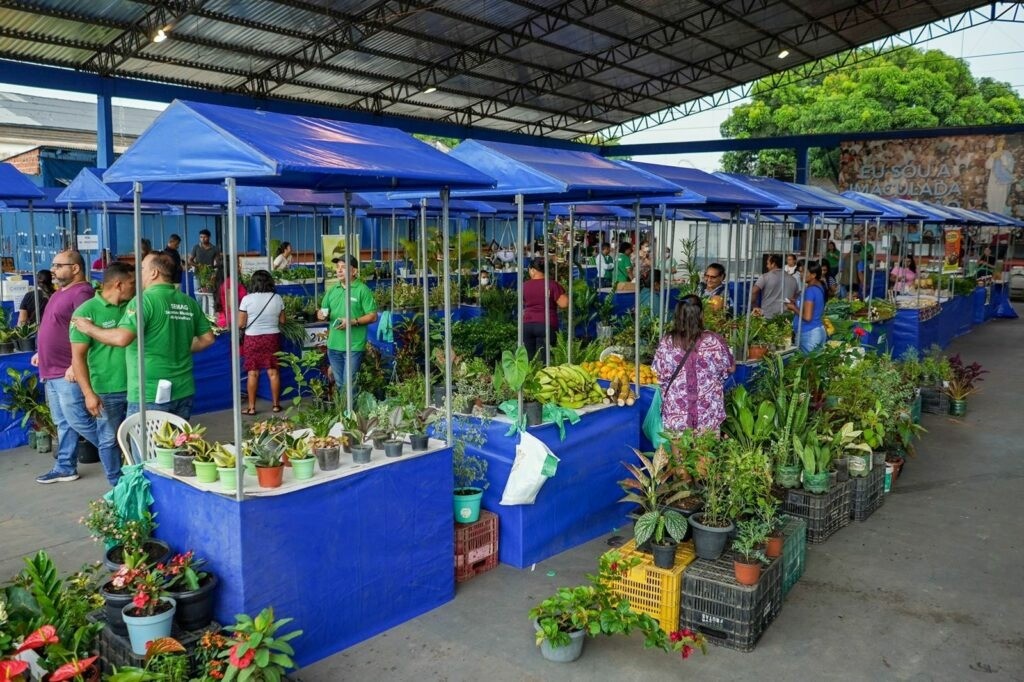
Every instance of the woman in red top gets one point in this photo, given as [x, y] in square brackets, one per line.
[533, 307]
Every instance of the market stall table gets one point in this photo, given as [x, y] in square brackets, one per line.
[348, 554]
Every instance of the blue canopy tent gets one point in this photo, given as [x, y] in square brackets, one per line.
[15, 187]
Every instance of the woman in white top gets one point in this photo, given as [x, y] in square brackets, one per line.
[260, 315]
[283, 259]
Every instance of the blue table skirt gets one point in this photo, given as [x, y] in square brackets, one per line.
[11, 433]
[954, 319]
[348, 559]
[580, 502]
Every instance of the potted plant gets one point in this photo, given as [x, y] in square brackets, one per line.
[816, 457]
[360, 429]
[192, 590]
[655, 489]
[848, 442]
[23, 395]
[297, 450]
[269, 467]
[188, 441]
[256, 644]
[961, 384]
[420, 420]
[164, 445]
[117, 592]
[25, 337]
[519, 375]
[122, 536]
[151, 612]
[71, 659]
[225, 460]
[768, 514]
[206, 468]
[166, 661]
[712, 526]
[396, 423]
[757, 338]
[750, 535]
[12, 664]
[6, 337]
[470, 482]
[563, 620]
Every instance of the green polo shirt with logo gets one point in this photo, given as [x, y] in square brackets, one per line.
[172, 320]
[622, 265]
[107, 372]
[361, 303]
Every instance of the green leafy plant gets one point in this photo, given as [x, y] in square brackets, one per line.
[106, 524]
[166, 660]
[814, 454]
[224, 458]
[654, 488]
[24, 395]
[750, 536]
[257, 647]
[750, 421]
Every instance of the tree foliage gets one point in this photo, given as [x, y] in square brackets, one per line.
[903, 88]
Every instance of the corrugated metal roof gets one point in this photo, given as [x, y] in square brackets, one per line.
[554, 67]
[62, 114]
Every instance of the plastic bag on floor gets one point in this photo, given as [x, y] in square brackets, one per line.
[533, 465]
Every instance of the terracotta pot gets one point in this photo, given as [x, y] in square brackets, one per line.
[270, 477]
[746, 574]
[756, 352]
[773, 546]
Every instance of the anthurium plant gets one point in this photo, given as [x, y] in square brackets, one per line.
[256, 645]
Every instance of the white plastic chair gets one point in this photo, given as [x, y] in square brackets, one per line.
[155, 419]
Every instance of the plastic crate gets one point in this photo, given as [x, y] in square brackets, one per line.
[794, 551]
[476, 546]
[116, 650]
[727, 613]
[934, 400]
[825, 514]
[652, 590]
[867, 494]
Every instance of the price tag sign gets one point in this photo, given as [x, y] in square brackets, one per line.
[88, 242]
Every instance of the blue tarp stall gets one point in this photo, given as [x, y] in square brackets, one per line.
[12, 434]
[391, 558]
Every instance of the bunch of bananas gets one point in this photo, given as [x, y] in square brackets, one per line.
[620, 393]
[615, 366]
[567, 386]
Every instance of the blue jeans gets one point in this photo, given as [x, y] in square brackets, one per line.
[113, 413]
[337, 360]
[812, 338]
[181, 407]
[67, 406]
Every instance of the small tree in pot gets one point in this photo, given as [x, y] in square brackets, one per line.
[712, 526]
[750, 535]
[655, 489]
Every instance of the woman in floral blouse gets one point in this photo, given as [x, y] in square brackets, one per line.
[695, 398]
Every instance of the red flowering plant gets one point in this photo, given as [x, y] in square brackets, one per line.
[209, 667]
[597, 609]
[66, 662]
[148, 587]
[181, 572]
[11, 668]
[123, 579]
[256, 644]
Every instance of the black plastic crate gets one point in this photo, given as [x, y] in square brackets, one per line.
[934, 400]
[727, 613]
[794, 551]
[867, 493]
[116, 650]
[825, 513]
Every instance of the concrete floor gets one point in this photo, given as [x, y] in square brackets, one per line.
[929, 588]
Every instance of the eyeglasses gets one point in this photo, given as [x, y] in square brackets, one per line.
[54, 266]
[708, 275]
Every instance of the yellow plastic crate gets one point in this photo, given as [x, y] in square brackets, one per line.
[652, 590]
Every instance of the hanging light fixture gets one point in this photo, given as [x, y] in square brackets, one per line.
[161, 36]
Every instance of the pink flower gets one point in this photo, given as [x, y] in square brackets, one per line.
[40, 638]
[70, 670]
[240, 662]
[11, 669]
[860, 332]
[687, 651]
[140, 600]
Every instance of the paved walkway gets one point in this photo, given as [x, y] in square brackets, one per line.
[929, 588]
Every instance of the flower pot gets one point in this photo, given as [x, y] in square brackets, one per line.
[303, 469]
[746, 574]
[878, 458]
[756, 352]
[563, 654]
[419, 441]
[26, 344]
[534, 413]
[329, 459]
[228, 478]
[467, 504]
[270, 477]
[113, 604]
[184, 464]
[773, 546]
[362, 454]
[833, 478]
[889, 477]
[859, 465]
[195, 607]
[709, 541]
[6, 347]
[250, 464]
[44, 442]
[437, 396]
[86, 452]
[605, 331]
[144, 629]
[816, 483]
[842, 469]
[378, 443]
[957, 408]
[32, 438]
[206, 472]
[788, 475]
[393, 448]
[897, 465]
[664, 554]
[164, 457]
[157, 552]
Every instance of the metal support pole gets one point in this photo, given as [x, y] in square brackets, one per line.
[32, 258]
[266, 231]
[392, 259]
[570, 333]
[636, 299]
[755, 230]
[874, 258]
[547, 293]
[426, 300]
[347, 284]
[446, 271]
[520, 219]
[140, 322]
[236, 360]
[318, 234]
[728, 266]
[479, 261]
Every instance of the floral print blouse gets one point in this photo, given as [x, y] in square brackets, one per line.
[696, 399]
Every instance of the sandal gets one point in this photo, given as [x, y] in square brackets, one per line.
[251, 411]
[276, 408]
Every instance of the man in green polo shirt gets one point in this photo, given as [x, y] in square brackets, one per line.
[623, 265]
[99, 368]
[349, 324]
[175, 328]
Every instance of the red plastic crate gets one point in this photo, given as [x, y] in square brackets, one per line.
[476, 546]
